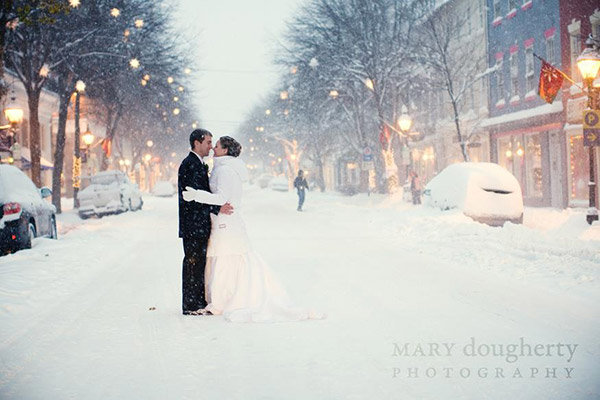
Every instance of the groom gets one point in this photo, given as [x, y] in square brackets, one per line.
[194, 222]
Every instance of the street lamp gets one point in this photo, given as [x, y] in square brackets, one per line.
[404, 121]
[588, 63]
[88, 138]
[79, 88]
[149, 143]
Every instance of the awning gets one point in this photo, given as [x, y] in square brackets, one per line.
[26, 160]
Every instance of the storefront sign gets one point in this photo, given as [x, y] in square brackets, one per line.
[591, 128]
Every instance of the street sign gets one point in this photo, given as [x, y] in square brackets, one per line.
[591, 128]
[367, 155]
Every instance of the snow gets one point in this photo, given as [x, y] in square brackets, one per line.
[16, 187]
[163, 189]
[96, 314]
[473, 188]
[545, 109]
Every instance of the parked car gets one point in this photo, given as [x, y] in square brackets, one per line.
[164, 189]
[486, 192]
[24, 214]
[263, 180]
[110, 192]
[280, 184]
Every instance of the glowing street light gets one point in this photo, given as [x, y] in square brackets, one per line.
[149, 143]
[44, 71]
[74, 3]
[404, 120]
[170, 79]
[283, 95]
[268, 111]
[176, 111]
[334, 94]
[115, 12]
[369, 84]
[139, 23]
[80, 86]
[88, 137]
[134, 63]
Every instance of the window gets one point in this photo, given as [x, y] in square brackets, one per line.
[512, 5]
[529, 71]
[514, 75]
[497, 9]
[550, 49]
[469, 17]
[575, 40]
[499, 81]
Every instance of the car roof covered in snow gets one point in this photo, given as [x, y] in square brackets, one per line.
[15, 186]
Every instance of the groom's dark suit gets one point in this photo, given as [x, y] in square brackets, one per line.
[194, 229]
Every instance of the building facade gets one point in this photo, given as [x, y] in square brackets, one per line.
[526, 133]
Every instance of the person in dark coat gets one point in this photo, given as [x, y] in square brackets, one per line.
[415, 187]
[194, 222]
[301, 185]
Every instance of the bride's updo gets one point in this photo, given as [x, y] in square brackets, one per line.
[233, 147]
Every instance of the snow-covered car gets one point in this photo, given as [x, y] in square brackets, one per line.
[263, 180]
[164, 189]
[280, 184]
[24, 214]
[110, 192]
[486, 192]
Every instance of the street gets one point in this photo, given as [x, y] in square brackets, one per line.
[420, 304]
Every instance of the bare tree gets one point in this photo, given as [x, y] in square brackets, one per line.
[451, 65]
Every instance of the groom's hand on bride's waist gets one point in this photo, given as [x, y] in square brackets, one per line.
[226, 209]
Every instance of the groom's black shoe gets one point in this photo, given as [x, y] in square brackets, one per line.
[204, 311]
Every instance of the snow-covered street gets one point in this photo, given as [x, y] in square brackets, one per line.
[420, 304]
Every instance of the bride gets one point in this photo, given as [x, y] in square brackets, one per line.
[239, 284]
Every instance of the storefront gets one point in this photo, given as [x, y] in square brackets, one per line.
[578, 174]
[529, 153]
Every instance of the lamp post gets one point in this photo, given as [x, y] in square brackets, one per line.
[79, 88]
[589, 63]
[404, 123]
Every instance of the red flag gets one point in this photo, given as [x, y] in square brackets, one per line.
[107, 146]
[550, 82]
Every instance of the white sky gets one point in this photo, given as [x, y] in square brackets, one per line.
[233, 35]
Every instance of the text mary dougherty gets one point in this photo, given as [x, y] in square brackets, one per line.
[476, 359]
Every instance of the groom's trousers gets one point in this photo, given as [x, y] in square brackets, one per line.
[194, 264]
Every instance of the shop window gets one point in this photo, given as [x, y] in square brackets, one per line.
[533, 165]
[579, 171]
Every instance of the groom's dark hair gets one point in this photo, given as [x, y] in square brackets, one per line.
[199, 135]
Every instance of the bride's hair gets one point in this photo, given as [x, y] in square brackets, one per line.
[231, 145]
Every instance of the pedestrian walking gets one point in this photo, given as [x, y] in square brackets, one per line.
[301, 186]
[415, 187]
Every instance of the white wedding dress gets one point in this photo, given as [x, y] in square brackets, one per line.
[239, 284]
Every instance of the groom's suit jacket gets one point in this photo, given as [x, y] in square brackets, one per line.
[194, 217]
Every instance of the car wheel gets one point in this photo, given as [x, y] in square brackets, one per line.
[53, 230]
[30, 236]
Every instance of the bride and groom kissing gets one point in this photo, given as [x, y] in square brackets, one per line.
[221, 274]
